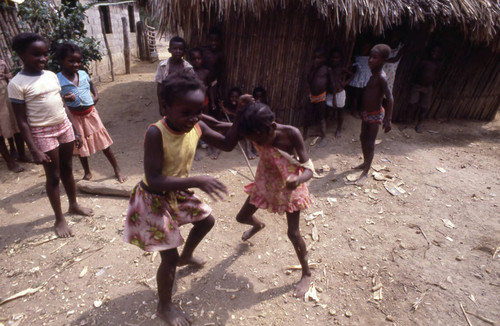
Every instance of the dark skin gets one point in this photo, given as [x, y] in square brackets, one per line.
[288, 139]
[213, 60]
[182, 116]
[373, 94]
[70, 66]
[319, 80]
[340, 77]
[57, 162]
[175, 64]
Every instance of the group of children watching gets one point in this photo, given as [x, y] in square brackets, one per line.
[57, 118]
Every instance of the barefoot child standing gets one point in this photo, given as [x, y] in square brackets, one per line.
[280, 179]
[45, 124]
[81, 95]
[373, 114]
[163, 201]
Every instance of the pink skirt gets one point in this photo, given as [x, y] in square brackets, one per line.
[95, 137]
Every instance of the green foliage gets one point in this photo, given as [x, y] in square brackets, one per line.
[58, 24]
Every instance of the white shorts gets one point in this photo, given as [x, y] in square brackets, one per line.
[339, 99]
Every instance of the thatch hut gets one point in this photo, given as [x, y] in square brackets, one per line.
[270, 43]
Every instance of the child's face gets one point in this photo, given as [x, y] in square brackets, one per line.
[318, 59]
[185, 112]
[336, 59]
[233, 98]
[196, 59]
[214, 41]
[35, 56]
[177, 50]
[72, 62]
[375, 60]
[260, 97]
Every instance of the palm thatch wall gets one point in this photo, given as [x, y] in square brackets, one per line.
[270, 43]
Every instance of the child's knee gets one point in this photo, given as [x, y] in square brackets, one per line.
[53, 180]
[209, 222]
[241, 218]
[170, 256]
[294, 235]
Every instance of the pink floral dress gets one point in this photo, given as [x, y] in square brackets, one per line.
[269, 191]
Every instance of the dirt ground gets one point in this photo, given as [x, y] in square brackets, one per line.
[379, 259]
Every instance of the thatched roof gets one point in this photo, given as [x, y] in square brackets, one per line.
[479, 20]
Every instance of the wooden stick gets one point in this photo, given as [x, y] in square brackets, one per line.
[486, 320]
[242, 151]
[465, 314]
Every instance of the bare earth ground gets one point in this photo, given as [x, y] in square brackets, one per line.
[366, 238]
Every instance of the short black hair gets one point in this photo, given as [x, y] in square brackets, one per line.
[256, 117]
[22, 41]
[320, 50]
[383, 49]
[65, 49]
[177, 85]
[214, 30]
[194, 50]
[259, 89]
[236, 90]
[176, 39]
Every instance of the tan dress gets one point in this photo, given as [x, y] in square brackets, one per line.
[8, 124]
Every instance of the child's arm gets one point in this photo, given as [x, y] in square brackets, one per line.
[349, 76]
[93, 90]
[153, 163]
[219, 126]
[22, 122]
[212, 137]
[389, 104]
[78, 137]
[293, 181]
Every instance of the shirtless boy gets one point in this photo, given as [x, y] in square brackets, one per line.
[373, 114]
[319, 80]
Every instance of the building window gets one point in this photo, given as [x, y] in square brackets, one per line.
[105, 18]
[131, 18]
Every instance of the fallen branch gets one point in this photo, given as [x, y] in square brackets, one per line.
[37, 243]
[26, 292]
[425, 236]
[465, 314]
[486, 320]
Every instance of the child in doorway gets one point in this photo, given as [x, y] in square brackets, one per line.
[213, 59]
[46, 124]
[163, 200]
[319, 80]
[422, 88]
[280, 179]
[81, 96]
[177, 49]
[340, 78]
[361, 76]
[8, 124]
[373, 113]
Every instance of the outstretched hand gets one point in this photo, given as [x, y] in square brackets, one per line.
[387, 126]
[69, 97]
[292, 181]
[40, 157]
[213, 187]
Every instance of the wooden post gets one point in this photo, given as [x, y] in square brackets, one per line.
[140, 40]
[107, 48]
[126, 45]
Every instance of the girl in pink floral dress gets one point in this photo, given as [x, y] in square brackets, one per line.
[280, 179]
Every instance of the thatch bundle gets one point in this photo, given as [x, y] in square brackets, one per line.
[270, 43]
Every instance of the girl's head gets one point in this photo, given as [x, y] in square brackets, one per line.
[33, 51]
[183, 95]
[69, 57]
[259, 94]
[195, 57]
[257, 123]
[233, 96]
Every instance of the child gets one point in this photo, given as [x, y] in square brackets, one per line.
[81, 95]
[361, 76]
[280, 179]
[46, 124]
[319, 82]
[177, 48]
[421, 91]
[213, 59]
[8, 125]
[373, 113]
[340, 77]
[260, 94]
[163, 201]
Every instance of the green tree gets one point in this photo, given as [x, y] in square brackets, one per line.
[58, 24]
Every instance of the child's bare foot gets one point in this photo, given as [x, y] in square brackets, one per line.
[322, 142]
[79, 210]
[87, 176]
[120, 177]
[418, 128]
[197, 156]
[215, 154]
[250, 233]
[359, 167]
[302, 286]
[172, 316]
[63, 230]
[338, 134]
[251, 155]
[191, 261]
[14, 167]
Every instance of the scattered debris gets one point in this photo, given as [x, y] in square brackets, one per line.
[448, 223]
[389, 318]
[331, 200]
[218, 288]
[298, 267]
[311, 294]
[37, 243]
[352, 177]
[465, 314]
[441, 170]
[84, 271]
[26, 292]
[379, 168]
[486, 320]
[97, 303]
[417, 302]
[314, 233]
[348, 314]
[491, 250]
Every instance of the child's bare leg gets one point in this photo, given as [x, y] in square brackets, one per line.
[213, 152]
[87, 175]
[420, 117]
[362, 138]
[112, 159]
[11, 163]
[165, 278]
[299, 245]
[321, 108]
[18, 138]
[52, 177]
[66, 172]
[248, 149]
[340, 121]
[12, 148]
[371, 132]
[245, 216]
[197, 233]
